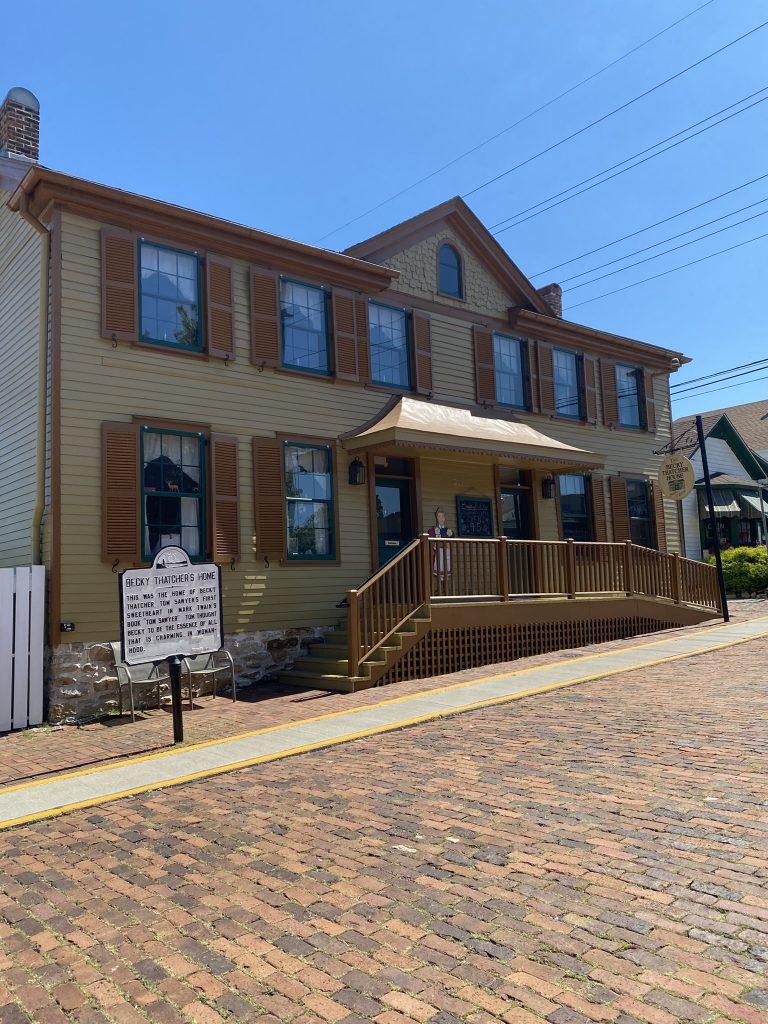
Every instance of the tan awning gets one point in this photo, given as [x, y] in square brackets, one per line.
[724, 500]
[751, 505]
[415, 424]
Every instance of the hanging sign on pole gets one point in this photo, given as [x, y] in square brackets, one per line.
[676, 477]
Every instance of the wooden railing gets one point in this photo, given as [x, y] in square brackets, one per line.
[497, 569]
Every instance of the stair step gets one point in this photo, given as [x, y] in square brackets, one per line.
[317, 680]
[315, 663]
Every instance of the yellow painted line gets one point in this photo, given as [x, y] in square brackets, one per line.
[155, 755]
[348, 737]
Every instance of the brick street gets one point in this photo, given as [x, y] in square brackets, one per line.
[595, 854]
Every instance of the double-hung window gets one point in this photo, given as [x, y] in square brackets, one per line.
[574, 507]
[509, 369]
[309, 501]
[640, 516]
[390, 359]
[629, 393]
[567, 381]
[172, 491]
[305, 327]
[169, 297]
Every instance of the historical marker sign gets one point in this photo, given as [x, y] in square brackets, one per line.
[174, 608]
[676, 477]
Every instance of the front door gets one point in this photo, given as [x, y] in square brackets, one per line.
[394, 516]
[515, 516]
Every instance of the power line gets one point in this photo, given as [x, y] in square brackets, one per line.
[663, 241]
[725, 388]
[616, 110]
[520, 219]
[718, 373]
[515, 124]
[731, 376]
[664, 273]
[656, 224]
[666, 252]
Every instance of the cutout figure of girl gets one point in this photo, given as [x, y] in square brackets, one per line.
[441, 561]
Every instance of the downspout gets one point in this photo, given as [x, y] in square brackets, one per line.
[42, 377]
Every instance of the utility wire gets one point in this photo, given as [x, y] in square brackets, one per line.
[515, 124]
[664, 273]
[666, 252]
[663, 241]
[656, 224]
[520, 219]
[732, 376]
[616, 110]
[726, 387]
[718, 373]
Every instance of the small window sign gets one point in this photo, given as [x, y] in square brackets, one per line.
[474, 517]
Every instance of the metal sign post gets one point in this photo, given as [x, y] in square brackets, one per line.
[712, 518]
[171, 611]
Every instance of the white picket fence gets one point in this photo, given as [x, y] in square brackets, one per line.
[22, 610]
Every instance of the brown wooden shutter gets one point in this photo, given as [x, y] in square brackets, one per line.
[657, 503]
[363, 343]
[421, 329]
[225, 499]
[531, 364]
[620, 509]
[269, 500]
[590, 388]
[345, 346]
[119, 288]
[485, 369]
[265, 318]
[650, 402]
[120, 493]
[546, 379]
[610, 398]
[597, 504]
[219, 311]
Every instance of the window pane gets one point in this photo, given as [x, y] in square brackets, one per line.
[640, 523]
[574, 509]
[508, 362]
[169, 297]
[309, 501]
[450, 271]
[305, 341]
[172, 473]
[389, 345]
[567, 392]
[628, 394]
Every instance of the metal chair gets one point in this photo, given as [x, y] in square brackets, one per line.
[130, 675]
[205, 665]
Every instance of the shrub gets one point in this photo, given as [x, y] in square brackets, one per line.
[744, 569]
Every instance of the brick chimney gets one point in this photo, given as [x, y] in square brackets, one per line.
[553, 296]
[20, 125]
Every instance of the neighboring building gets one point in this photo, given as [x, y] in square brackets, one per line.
[737, 454]
[171, 377]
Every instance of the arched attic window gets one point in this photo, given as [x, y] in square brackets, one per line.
[449, 275]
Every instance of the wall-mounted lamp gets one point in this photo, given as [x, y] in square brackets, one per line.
[548, 487]
[356, 473]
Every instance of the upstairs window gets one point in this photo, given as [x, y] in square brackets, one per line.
[388, 332]
[567, 381]
[449, 272]
[574, 507]
[169, 297]
[305, 328]
[509, 370]
[630, 395]
[309, 499]
[173, 491]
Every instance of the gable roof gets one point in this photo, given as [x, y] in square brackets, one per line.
[456, 215]
[750, 419]
[719, 424]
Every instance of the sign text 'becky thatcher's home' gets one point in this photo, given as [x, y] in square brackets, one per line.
[303, 417]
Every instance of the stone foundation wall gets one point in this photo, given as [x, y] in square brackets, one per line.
[81, 681]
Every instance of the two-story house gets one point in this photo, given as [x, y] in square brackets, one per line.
[302, 417]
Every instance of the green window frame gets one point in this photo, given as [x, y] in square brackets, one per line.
[304, 327]
[170, 287]
[568, 374]
[310, 505]
[630, 396]
[575, 510]
[173, 502]
[510, 371]
[641, 517]
[389, 339]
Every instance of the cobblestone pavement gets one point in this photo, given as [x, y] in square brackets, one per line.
[39, 752]
[599, 853]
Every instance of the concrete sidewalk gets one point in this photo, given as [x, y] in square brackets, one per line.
[41, 798]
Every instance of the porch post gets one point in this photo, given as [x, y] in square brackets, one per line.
[629, 569]
[426, 567]
[570, 567]
[503, 568]
[677, 578]
[353, 634]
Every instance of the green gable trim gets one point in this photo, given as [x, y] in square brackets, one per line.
[724, 430]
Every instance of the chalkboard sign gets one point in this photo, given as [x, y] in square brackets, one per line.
[474, 517]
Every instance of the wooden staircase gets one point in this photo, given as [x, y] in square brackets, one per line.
[443, 605]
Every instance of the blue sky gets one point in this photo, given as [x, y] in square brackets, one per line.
[296, 117]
